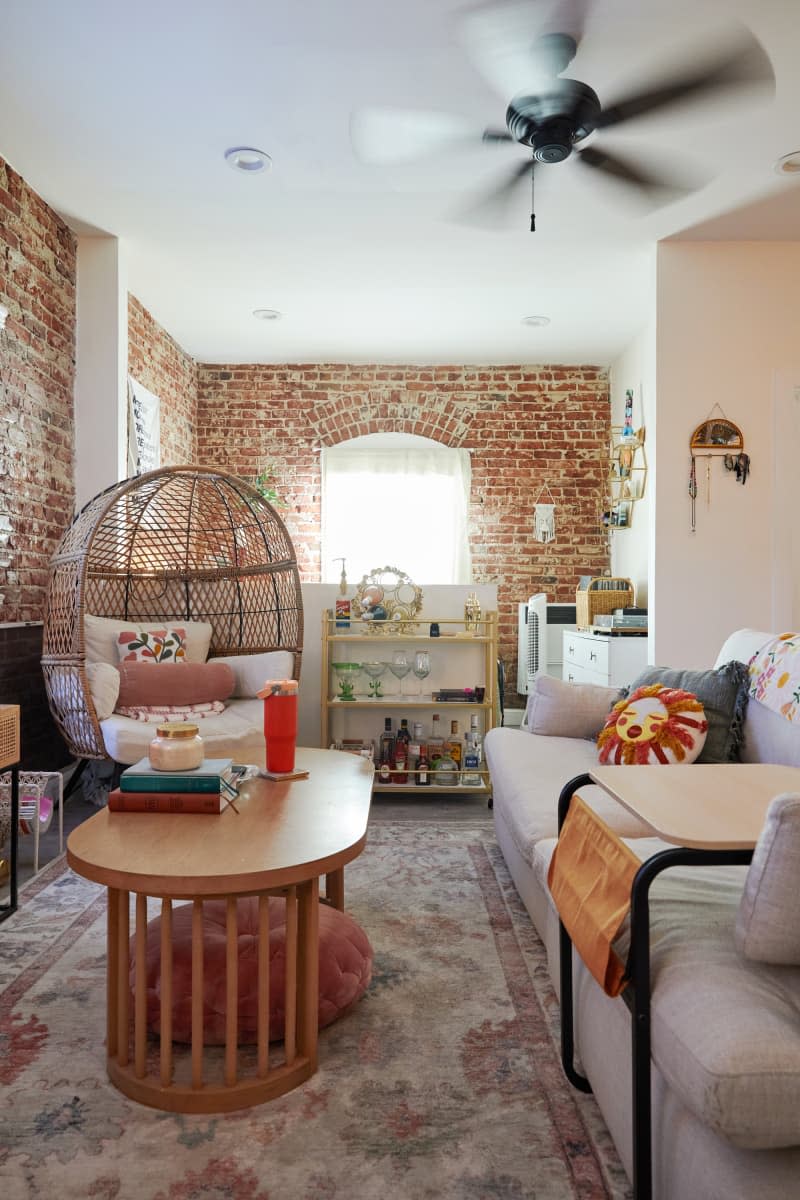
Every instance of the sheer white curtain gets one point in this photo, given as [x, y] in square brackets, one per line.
[396, 500]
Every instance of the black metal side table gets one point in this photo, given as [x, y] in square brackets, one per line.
[712, 814]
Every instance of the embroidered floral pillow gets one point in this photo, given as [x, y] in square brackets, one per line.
[152, 646]
[655, 724]
[775, 675]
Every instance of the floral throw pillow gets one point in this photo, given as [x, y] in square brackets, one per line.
[152, 645]
[775, 676]
[655, 724]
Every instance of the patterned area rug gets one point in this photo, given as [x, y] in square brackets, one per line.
[443, 1082]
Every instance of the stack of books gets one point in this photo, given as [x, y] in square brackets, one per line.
[208, 788]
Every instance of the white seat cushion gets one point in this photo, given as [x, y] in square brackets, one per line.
[528, 773]
[237, 733]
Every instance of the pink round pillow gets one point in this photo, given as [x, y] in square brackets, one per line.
[345, 969]
[655, 724]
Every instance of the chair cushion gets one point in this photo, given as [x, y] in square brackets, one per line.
[104, 687]
[767, 928]
[345, 968]
[173, 683]
[236, 733]
[100, 636]
[251, 670]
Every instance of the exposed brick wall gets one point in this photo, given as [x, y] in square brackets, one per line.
[157, 362]
[524, 426]
[37, 494]
[37, 369]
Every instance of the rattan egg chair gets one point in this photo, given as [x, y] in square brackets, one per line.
[180, 543]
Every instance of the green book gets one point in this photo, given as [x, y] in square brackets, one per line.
[213, 775]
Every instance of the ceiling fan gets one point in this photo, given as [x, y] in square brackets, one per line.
[553, 116]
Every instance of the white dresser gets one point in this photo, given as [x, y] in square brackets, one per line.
[613, 661]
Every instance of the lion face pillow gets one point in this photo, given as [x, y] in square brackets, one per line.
[655, 724]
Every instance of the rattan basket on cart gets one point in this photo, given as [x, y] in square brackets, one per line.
[603, 594]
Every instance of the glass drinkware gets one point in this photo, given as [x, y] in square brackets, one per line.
[422, 667]
[400, 666]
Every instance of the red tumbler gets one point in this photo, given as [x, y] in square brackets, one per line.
[280, 723]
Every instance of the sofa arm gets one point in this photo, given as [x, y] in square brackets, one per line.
[576, 710]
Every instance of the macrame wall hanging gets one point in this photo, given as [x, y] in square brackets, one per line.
[544, 517]
[716, 436]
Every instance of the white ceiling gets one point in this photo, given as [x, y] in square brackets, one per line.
[119, 115]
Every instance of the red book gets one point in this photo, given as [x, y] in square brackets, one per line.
[169, 802]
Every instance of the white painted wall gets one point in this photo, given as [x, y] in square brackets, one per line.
[727, 324]
[101, 367]
[636, 368]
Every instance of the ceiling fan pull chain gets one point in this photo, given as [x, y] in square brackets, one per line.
[533, 214]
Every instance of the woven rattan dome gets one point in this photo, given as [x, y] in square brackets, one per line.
[181, 543]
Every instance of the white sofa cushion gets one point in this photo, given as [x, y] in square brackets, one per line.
[576, 710]
[725, 1033]
[767, 925]
[528, 773]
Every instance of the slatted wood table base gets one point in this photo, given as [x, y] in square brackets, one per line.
[206, 1092]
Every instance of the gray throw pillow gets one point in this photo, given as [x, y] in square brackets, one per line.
[767, 929]
[723, 694]
[562, 709]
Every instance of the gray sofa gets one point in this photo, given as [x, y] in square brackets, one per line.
[725, 1030]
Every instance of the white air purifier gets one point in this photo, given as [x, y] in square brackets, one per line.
[531, 641]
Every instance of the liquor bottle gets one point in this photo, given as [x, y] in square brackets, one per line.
[415, 746]
[453, 746]
[435, 741]
[423, 771]
[446, 772]
[400, 774]
[386, 752]
[471, 762]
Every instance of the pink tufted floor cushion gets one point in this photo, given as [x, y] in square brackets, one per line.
[345, 968]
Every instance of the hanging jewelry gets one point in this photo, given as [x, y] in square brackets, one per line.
[708, 481]
[693, 492]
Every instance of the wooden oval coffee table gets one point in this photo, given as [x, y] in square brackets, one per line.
[282, 839]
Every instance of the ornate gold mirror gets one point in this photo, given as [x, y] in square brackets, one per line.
[387, 597]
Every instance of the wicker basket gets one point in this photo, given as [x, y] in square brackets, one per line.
[9, 734]
[604, 594]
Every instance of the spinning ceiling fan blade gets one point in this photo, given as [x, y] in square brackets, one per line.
[384, 136]
[657, 188]
[490, 209]
[745, 63]
[514, 49]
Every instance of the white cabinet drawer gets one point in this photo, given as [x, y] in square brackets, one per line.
[590, 652]
[610, 661]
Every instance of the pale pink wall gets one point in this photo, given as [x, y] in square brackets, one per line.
[727, 322]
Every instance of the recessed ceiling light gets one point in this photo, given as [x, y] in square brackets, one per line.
[535, 320]
[267, 314]
[789, 164]
[247, 159]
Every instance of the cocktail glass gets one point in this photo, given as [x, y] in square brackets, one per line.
[374, 670]
[400, 667]
[422, 667]
[348, 673]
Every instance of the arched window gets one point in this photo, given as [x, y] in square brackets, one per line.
[394, 499]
